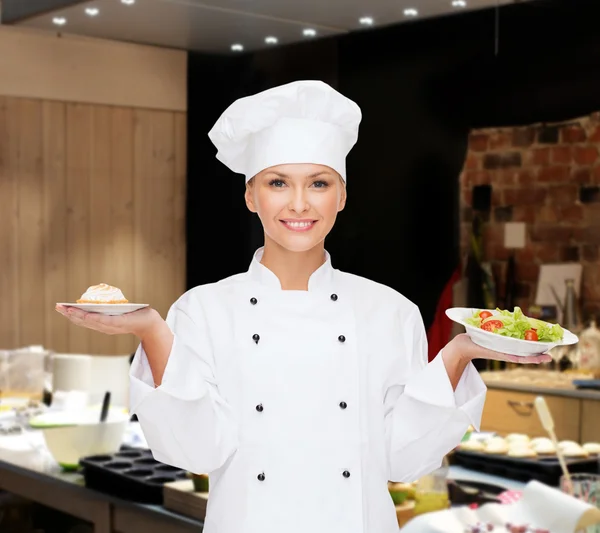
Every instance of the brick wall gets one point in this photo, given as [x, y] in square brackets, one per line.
[547, 176]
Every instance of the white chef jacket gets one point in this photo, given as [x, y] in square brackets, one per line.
[301, 405]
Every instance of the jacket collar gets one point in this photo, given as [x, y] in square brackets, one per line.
[320, 279]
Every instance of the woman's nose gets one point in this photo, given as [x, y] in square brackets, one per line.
[299, 201]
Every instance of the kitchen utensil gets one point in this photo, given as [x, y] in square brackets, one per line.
[131, 474]
[71, 436]
[105, 406]
[569, 307]
[548, 424]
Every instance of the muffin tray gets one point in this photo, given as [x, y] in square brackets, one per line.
[544, 469]
[131, 474]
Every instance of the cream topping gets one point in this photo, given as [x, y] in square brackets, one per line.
[103, 293]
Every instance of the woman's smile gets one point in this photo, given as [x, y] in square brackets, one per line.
[297, 224]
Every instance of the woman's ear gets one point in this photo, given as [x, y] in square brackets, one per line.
[343, 196]
[249, 196]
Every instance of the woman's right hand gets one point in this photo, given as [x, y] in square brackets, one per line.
[137, 323]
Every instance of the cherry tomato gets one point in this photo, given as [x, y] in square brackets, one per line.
[531, 335]
[492, 325]
[484, 314]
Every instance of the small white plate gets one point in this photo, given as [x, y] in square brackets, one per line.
[107, 309]
[502, 344]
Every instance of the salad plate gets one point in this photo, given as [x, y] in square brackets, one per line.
[510, 331]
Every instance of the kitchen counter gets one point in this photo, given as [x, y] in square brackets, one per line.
[548, 390]
[509, 406]
[66, 492]
[49, 485]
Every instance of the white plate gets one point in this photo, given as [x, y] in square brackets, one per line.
[106, 309]
[498, 343]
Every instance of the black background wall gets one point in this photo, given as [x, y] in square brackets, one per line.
[421, 86]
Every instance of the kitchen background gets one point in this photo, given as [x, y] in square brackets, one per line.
[92, 181]
[80, 205]
[479, 117]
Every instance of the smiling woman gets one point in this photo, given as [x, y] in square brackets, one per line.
[297, 204]
[300, 389]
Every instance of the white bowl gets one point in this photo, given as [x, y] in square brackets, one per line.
[71, 436]
[499, 343]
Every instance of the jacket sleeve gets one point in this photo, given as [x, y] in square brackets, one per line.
[185, 420]
[425, 418]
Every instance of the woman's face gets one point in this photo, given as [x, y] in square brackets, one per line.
[297, 204]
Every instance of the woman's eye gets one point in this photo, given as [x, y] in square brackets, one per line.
[276, 183]
[320, 184]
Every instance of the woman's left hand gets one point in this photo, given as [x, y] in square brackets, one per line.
[463, 345]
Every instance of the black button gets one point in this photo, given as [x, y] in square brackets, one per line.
[259, 408]
[343, 405]
[346, 474]
[341, 338]
[261, 477]
[256, 338]
[334, 297]
[253, 301]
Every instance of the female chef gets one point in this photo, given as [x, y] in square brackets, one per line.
[300, 389]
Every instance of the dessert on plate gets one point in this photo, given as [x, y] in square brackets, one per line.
[102, 294]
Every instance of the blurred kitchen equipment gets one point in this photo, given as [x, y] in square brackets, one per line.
[105, 372]
[552, 283]
[569, 308]
[548, 424]
[22, 374]
[431, 492]
[72, 436]
[105, 406]
[588, 355]
[71, 381]
[585, 487]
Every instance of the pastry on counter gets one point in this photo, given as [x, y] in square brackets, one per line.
[517, 437]
[545, 448]
[496, 447]
[576, 451]
[522, 451]
[592, 448]
[471, 446]
[567, 444]
[102, 294]
[540, 440]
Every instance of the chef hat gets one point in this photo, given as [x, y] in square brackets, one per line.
[300, 122]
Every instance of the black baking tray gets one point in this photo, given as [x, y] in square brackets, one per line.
[544, 469]
[130, 474]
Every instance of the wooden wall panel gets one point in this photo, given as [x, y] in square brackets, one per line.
[55, 222]
[88, 194]
[122, 228]
[10, 309]
[29, 177]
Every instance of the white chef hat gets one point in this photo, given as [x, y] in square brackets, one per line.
[300, 122]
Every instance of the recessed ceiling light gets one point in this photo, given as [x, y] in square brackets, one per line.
[59, 21]
[411, 12]
[128, 2]
[271, 40]
[237, 47]
[309, 32]
[459, 3]
[92, 11]
[366, 21]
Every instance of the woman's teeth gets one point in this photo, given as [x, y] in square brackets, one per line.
[299, 224]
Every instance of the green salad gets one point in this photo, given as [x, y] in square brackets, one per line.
[516, 325]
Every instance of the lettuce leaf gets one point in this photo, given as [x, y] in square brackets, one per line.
[515, 324]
